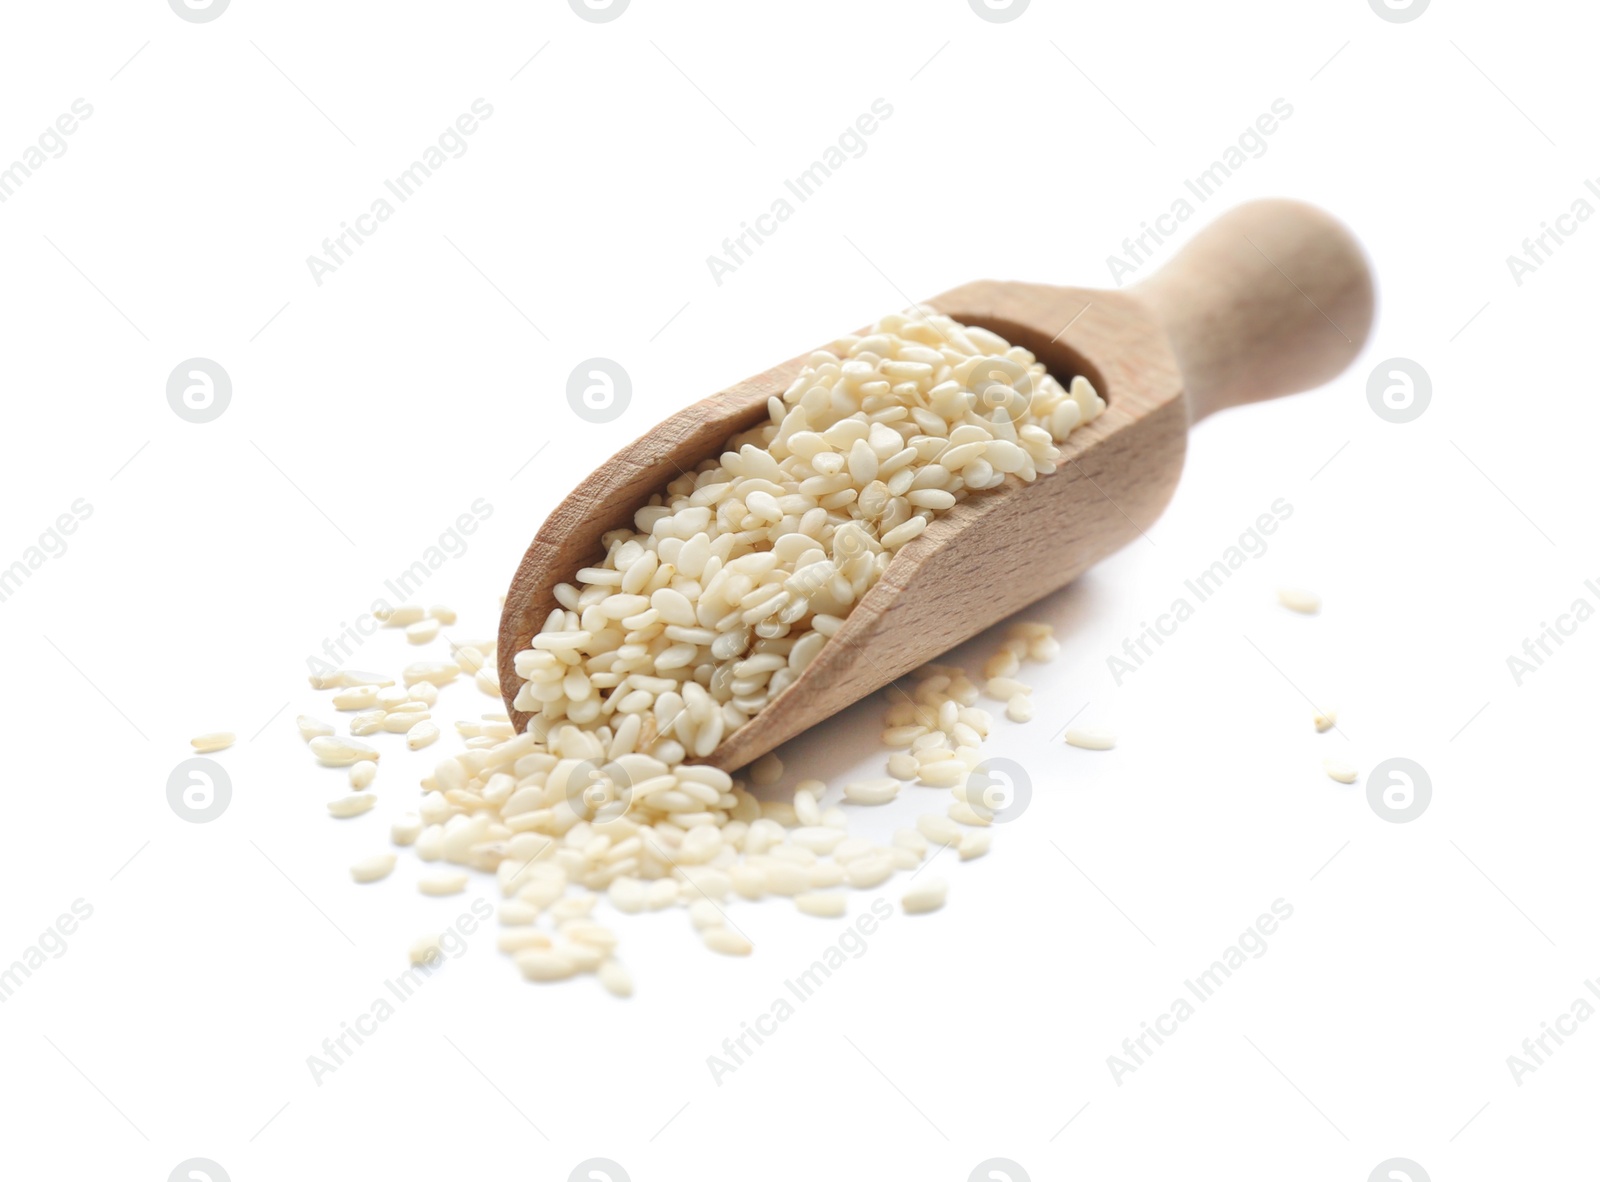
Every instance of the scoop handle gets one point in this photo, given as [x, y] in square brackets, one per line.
[1272, 298]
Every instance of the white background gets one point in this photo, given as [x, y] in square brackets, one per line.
[370, 411]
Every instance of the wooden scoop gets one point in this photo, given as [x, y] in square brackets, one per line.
[1272, 298]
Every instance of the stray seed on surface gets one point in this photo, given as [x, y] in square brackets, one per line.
[805, 804]
[703, 913]
[587, 932]
[1325, 719]
[903, 765]
[628, 895]
[1020, 708]
[819, 839]
[573, 906]
[974, 844]
[353, 805]
[522, 939]
[726, 941]
[1296, 599]
[212, 741]
[963, 813]
[1003, 664]
[1091, 738]
[445, 615]
[872, 870]
[434, 808]
[942, 773]
[1003, 689]
[585, 958]
[426, 950]
[824, 904]
[368, 722]
[927, 894]
[615, 977]
[430, 843]
[939, 829]
[515, 913]
[422, 631]
[362, 773]
[438, 672]
[399, 617]
[312, 728]
[357, 698]
[421, 735]
[372, 869]
[910, 839]
[538, 965]
[1340, 771]
[872, 791]
[348, 678]
[442, 882]
[337, 752]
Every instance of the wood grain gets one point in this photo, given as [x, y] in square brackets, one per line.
[1272, 298]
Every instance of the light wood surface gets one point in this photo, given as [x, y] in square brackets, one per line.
[1272, 298]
